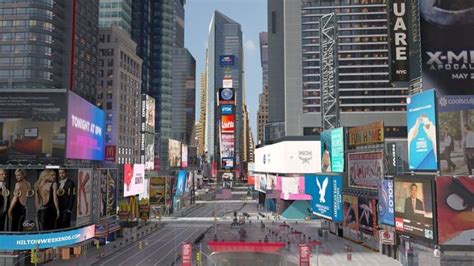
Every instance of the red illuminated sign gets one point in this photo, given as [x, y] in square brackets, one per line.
[227, 123]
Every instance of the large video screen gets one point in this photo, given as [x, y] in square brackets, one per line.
[455, 202]
[414, 206]
[365, 169]
[368, 216]
[85, 130]
[326, 193]
[32, 127]
[174, 153]
[350, 212]
[133, 179]
[332, 150]
[44, 200]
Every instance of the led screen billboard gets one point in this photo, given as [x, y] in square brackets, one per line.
[85, 128]
[184, 155]
[368, 216]
[455, 210]
[293, 188]
[332, 150]
[365, 169]
[227, 123]
[226, 60]
[108, 189]
[414, 212]
[174, 153]
[422, 134]
[350, 212]
[326, 193]
[181, 182]
[227, 145]
[386, 206]
[32, 127]
[370, 134]
[226, 96]
[133, 179]
[148, 114]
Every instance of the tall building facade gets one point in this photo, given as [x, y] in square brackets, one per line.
[262, 113]
[365, 92]
[201, 124]
[119, 92]
[184, 89]
[116, 12]
[49, 44]
[158, 28]
[225, 39]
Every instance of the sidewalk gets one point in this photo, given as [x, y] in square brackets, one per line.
[90, 256]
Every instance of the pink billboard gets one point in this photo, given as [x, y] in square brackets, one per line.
[293, 188]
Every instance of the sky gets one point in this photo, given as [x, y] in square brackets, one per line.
[252, 16]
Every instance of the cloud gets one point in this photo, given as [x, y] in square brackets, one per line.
[250, 47]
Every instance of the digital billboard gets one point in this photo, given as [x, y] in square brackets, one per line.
[293, 188]
[368, 216]
[350, 212]
[414, 213]
[184, 155]
[32, 127]
[446, 37]
[226, 96]
[226, 60]
[108, 185]
[227, 109]
[326, 193]
[365, 169]
[369, 134]
[386, 203]
[157, 190]
[456, 135]
[42, 200]
[227, 123]
[85, 128]
[396, 156]
[227, 145]
[193, 159]
[46, 240]
[148, 114]
[174, 153]
[181, 182]
[133, 179]
[289, 157]
[455, 210]
[149, 151]
[332, 150]
[227, 163]
[422, 134]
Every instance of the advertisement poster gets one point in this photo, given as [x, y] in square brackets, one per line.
[337, 150]
[47, 240]
[32, 127]
[368, 216]
[446, 35]
[321, 190]
[227, 163]
[305, 254]
[193, 159]
[227, 109]
[181, 182]
[293, 188]
[85, 128]
[25, 194]
[365, 169]
[456, 135]
[147, 152]
[174, 153]
[396, 156]
[84, 196]
[227, 145]
[421, 125]
[226, 96]
[227, 123]
[271, 182]
[133, 179]
[148, 114]
[186, 254]
[157, 191]
[108, 192]
[455, 210]
[414, 206]
[226, 60]
[326, 151]
[386, 203]
[369, 134]
[350, 212]
[184, 155]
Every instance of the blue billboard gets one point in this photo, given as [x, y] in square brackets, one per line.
[46, 240]
[386, 203]
[227, 109]
[326, 193]
[180, 182]
[325, 151]
[421, 124]
[337, 150]
[226, 60]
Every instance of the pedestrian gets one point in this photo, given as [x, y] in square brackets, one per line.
[447, 146]
[469, 148]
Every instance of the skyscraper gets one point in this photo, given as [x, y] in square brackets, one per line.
[225, 64]
[184, 89]
[365, 93]
[201, 124]
[158, 28]
[54, 44]
[116, 12]
[262, 113]
[119, 92]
